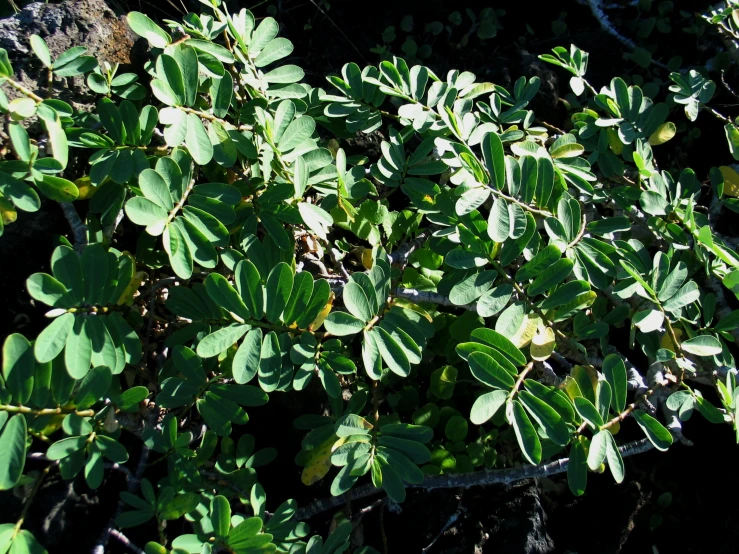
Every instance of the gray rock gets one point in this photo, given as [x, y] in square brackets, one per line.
[89, 23]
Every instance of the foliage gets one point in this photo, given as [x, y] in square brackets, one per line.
[480, 270]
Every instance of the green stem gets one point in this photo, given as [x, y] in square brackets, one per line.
[29, 500]
[45, 411]
[23, 90]
[521, 376]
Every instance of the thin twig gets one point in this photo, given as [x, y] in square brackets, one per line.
[451, 521]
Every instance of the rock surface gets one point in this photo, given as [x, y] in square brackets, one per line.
[88, 23]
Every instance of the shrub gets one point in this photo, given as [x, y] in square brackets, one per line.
[448, 307]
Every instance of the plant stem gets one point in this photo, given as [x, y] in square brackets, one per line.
[23, 90]
[45, 411]
[521, 376]
[467, 480]
[29, 500]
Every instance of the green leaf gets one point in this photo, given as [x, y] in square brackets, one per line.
[270, 363]
[356, 301]
[18, 367]
[551, 276]
[78, 350]
[20, 141]
[653, 203]
[51, 341]
[657, 434]
[223, 294]
[300, 129]
[197, 140]
[249, 285]
[65, 447]
[702, 345]
[95, 270]
[246, 361]
[274, 50]
[614, 371]
[279, 286]
[598, 449]
[493, 154]
[342, 324]
[499, 223]
[577, 469]
[544, 259]
[220, 516]
[187, 61]
[526, 435]
[145, 27]
[58, 189]
[66, 267]
[154, 187]
[564, 294]
[142, 211]
[486, 370]
[588, 412]
[494, 300]
[546, 417]
[391, 481]
[501, 343]
[472, 287]
[486, 405]
[315, 218]
[93, 387]
[220, 340]
[615, 462]
[392, 354]
[240, 539]
[41, 50]
[12, 451]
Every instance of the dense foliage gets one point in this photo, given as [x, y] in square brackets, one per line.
[449, 308]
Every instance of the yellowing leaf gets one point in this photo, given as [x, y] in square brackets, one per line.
[86, 188]
[367, 260]
[127, 295]
[663, 133]
[333, 146]
[614, 142]
[408, 305]
[324, 313]
[731, 181]
[666, 340]
[526, 332]
[318, 461]
[542, 345]
[7, 211]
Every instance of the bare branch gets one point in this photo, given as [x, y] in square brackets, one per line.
[79, 229]
[125, 541]
[465, 480]
[597, 8]
[401, 255]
